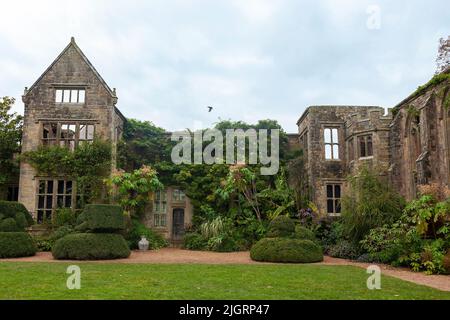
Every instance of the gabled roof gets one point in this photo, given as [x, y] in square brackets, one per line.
[73, 44]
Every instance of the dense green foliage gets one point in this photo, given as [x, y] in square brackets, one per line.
[281, 226]
[91, 246]
[101, 218]
[88, 165]
[17, 211]
[137, 229]
[133, 190]
[304, 233]
[10, 138]
[369, 203]
[16, 244]
[286, 250]
[243, 199]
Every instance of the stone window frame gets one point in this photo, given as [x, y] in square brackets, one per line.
[159, 214]
[304, 141]
[331, 143]
[51, 197]
[336, 201]
[178, 195]
[368, 151]
[80, 99]
[59, 139]
[351, 149]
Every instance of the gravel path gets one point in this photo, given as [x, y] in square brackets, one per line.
[174, 256]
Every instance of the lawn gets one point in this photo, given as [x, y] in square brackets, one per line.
[193, 281]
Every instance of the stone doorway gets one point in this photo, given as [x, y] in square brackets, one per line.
[178, 224]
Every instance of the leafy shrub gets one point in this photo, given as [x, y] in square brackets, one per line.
[16, 244]
[138, 229]
[446, 262]
[304, 233]
[281, 226]
[329, 231]
[9, 225]
[222, 243]
[91, 246]
[101, 218]
[43, 244]
[344, 249]
[195, 241]
[10, 209]
[286, 250]
[369, 203]
[64, 217]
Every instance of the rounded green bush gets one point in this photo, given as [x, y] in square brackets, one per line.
[286, 250]
[101, 218]
[11, 209]
[302, 232]
[91, 246]
[9, 225]
[16, 244]
[281, 226]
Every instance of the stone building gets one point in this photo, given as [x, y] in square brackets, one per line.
[409, 149]
[420, 139]
[68, 105]
[336, 140]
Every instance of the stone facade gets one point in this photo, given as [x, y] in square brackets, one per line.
[48, 119]
[409, 149]
[51, 118]
[420, 140]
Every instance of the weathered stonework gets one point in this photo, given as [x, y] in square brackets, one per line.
[409, 149]
[71, 69]
[420, 141]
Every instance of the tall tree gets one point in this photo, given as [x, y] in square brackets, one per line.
[10, 138]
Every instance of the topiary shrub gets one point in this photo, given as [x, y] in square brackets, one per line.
[286, 250]
[91, 246]
[281, 226]
[16, 244]
[9, 225]
[11, 209]
[101, 218]
[304, 233]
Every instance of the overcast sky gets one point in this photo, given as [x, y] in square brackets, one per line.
[249, 59]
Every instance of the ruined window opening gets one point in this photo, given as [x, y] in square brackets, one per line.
[365, 146]
[160, 209]
[334, 199]
[331, 140]
[74, 96]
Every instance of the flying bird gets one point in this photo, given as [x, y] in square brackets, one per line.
[209, 108]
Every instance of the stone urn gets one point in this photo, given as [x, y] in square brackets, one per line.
[143, 244]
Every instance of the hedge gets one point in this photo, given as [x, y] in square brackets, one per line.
[101, 218]
[91, 246]
[286, 250]
[16, 244]
[281, 226]
[304, 233]
[446, 262]
[9, 209]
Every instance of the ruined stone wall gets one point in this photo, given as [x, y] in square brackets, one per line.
[420, 141]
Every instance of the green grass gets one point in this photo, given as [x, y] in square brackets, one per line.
[193, 281]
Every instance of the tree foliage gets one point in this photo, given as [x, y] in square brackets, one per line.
[10, 137]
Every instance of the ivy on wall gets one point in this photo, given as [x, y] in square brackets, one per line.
[88, 165]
